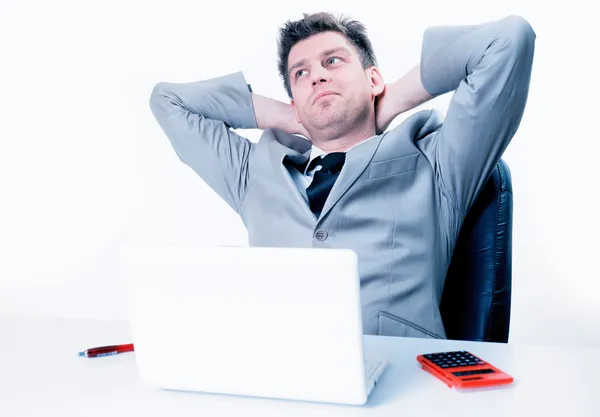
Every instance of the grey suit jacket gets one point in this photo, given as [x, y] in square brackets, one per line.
[400, 199]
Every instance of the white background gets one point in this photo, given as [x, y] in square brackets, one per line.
[84, 167]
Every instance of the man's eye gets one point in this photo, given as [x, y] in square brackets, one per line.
[328, 59]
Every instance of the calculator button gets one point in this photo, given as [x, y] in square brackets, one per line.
[454, 359]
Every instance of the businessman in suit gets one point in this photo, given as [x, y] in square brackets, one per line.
[396, 197]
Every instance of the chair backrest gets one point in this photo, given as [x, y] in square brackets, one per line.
[476, 298]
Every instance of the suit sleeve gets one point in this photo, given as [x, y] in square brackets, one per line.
[196, 117]
[489, 65]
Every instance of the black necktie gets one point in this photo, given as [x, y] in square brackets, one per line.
[323, 180]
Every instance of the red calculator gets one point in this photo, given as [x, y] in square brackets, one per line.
[463, 370]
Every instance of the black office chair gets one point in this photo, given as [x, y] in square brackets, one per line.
[476, 298]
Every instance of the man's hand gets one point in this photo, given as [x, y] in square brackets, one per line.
[298, 128]
[274, 114]
[399, 97]
[385, 112]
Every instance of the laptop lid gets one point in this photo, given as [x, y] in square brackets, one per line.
[256, 321]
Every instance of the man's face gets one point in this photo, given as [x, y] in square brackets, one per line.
[327, 62]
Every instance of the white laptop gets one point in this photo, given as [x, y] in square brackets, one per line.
[253, 321]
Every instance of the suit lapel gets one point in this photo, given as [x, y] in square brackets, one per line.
[286, 150]
[357, 160]
[297, 161]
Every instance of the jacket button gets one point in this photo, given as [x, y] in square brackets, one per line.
[321, 235]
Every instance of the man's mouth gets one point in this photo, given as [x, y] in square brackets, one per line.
[324, 94]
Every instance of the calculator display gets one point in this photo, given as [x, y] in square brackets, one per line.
[480, 371]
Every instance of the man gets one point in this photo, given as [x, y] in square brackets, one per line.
[397, 198]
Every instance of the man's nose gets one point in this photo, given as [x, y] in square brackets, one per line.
[320, 75]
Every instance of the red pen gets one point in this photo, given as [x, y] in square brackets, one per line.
[106, 350]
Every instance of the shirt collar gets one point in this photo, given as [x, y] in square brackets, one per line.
[316, 152]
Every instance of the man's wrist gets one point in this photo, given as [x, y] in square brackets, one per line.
[290, 123]
[408, 91]
[273, 114]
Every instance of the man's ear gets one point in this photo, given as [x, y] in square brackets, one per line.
[377, 82]
[295, 111]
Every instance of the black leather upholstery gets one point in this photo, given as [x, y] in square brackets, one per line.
[477, 294]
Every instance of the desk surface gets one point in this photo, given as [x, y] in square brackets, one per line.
[41, 375]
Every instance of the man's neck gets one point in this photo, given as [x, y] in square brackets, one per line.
[331, 143]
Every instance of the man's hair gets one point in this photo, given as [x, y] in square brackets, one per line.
[312, 24]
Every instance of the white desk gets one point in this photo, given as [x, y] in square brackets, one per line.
[41, 375]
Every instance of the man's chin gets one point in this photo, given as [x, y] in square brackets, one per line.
[329, 121]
